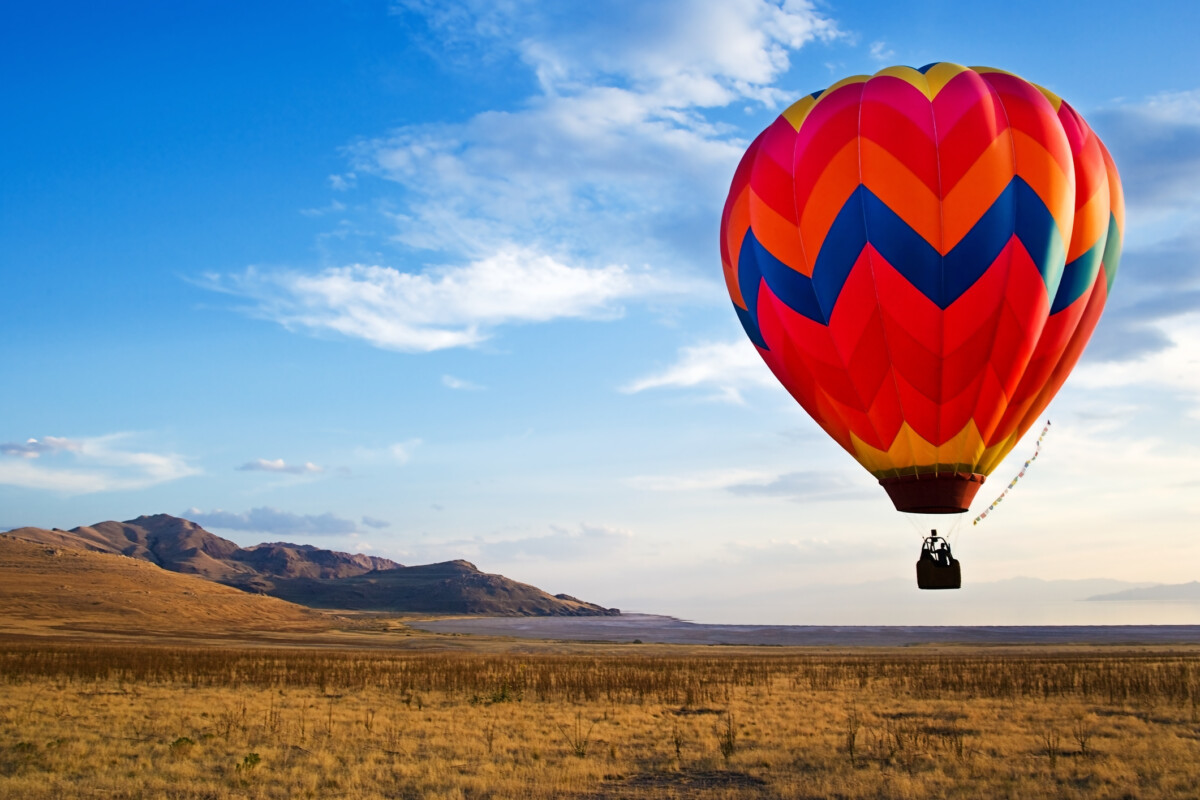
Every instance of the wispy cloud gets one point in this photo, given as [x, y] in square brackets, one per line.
[396, 453]
[273, 521]
[881, 52]
[809, 551]
[87, 465]
[726, 367]
[1175, 366]
[799, 486]
[808, 487]
[559, 543]
[34, 448]
[443, 307]
[402, 452]
[1156, 145]
[702, 481]
[616, 137]
[372, 522]
[279, 465]
[593, 192]
[334, 207]
[451, 382]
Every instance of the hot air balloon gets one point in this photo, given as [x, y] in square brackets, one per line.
[920, 257]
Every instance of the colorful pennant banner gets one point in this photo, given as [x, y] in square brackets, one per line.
[1036, 450]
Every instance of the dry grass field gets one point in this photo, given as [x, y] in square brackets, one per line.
[47, 589]
[634, 721]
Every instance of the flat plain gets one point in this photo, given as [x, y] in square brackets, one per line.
[122, 683]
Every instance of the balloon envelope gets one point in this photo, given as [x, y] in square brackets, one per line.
[920, 257]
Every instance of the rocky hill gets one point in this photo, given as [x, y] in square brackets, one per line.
[50, 585]
[311, 576]
[456, 587]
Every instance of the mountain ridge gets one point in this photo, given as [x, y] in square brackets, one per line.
[312, 576]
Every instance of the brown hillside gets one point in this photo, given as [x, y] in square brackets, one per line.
[53, 586]
[451, 587]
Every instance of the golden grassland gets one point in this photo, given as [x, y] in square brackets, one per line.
[44, 589]
[131, 721]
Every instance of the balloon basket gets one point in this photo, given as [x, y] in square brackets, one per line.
[933, 576]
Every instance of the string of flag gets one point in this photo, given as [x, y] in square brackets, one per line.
[1036, 450]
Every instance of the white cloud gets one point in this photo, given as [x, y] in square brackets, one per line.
[34, 448]
[402, 452]
[395, 453]
[797, 486]
[334, 207]
[561, 543]
[1175, 367]
[728, 367]
[279, 465]
[442, 307]
[810, 486]
[86, 465]
[734, 43]
[1156, 145]
[582, 541]
[597, 189]
[881, 52]
[273, 521]
[703, 481]
[451, 382]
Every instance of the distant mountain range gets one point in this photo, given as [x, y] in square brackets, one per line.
[1164, 593]
[311, 576]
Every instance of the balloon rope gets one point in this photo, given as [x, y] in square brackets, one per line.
[1036, 450]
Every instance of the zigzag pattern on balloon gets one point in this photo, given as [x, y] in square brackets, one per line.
[920, 257]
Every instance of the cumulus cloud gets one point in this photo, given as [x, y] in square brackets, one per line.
[726, 367]
[86, 465]
[616, 138]
[279, 465]
[594, 191]
[273, 521]
[443, 307]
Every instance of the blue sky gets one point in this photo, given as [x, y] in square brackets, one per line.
[441, 279]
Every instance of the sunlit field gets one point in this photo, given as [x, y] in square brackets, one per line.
[142, 721]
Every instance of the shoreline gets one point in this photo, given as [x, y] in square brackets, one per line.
[656, 629]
